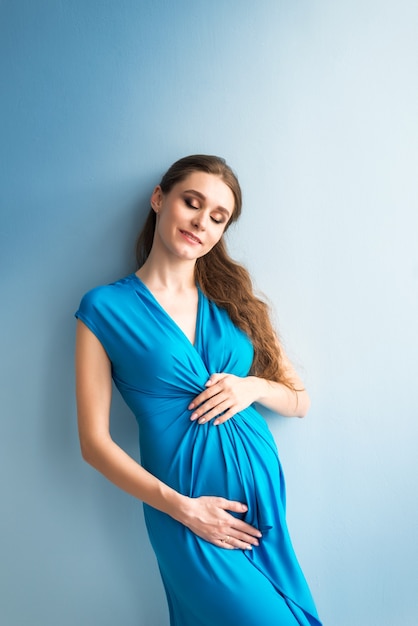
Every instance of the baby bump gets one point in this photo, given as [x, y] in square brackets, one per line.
[236, 460]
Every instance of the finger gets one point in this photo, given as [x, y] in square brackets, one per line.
[199, 399]
[213, 404]
[234, 544]
[215, 378]
[203, 397]
[240, 539]
[210, 403]
[239, 527]
[215, 388]
[242, 529]
[224, 544]
[231, 505]
[217, 410]
[225, 417]
[242, 544]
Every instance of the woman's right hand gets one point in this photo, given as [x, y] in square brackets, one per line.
[208, 517]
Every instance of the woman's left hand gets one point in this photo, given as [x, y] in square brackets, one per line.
[225, 395]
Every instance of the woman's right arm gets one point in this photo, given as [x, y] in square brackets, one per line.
[208, 517]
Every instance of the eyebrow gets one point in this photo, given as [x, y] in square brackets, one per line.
[202, 197]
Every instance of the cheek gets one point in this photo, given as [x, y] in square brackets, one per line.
[163, 227]
[222, 230]
[217, 235]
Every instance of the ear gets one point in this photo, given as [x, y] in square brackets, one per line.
[156, 199]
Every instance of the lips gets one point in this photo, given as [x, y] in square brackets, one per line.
[190, 236]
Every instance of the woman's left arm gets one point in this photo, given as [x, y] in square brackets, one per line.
[227, 394]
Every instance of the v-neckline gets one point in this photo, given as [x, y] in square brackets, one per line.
[169, 317]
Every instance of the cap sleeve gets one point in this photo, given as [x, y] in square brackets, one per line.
[92, 312]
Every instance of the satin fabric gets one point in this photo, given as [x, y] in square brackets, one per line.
[158, 372]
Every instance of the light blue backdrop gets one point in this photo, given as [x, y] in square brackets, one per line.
[315, 105]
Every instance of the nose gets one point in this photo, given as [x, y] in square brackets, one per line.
[199, 220]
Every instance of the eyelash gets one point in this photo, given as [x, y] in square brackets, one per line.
[191, 206]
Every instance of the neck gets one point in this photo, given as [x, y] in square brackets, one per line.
[175, 275]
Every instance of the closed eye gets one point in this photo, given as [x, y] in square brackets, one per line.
[190, 204]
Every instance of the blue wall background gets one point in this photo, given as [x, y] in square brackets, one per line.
[314, 104]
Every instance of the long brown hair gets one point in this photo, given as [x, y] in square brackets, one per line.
[221, 279]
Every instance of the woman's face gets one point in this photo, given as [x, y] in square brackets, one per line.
[192, 216]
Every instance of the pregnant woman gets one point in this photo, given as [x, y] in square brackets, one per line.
[191, 349]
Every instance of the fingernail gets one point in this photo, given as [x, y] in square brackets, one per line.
[191, 405]
[215, 423]
[249, 547]
[194, 416]
[201, 421]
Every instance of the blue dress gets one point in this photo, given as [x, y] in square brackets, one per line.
[158, 372]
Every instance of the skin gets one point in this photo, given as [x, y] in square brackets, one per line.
[191, 219]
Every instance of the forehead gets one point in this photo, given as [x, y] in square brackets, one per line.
[212, 187]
